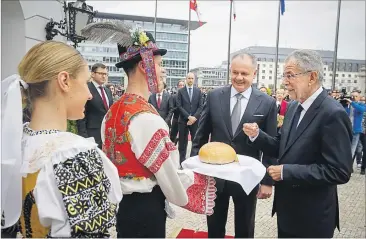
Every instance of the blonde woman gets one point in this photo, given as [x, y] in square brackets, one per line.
[58, 183]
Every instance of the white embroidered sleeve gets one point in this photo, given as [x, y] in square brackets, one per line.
[153, 148]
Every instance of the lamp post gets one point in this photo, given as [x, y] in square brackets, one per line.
[77, 16]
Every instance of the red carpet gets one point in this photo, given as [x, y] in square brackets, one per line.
[188, 233]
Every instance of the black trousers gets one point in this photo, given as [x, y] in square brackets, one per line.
[244, 209]
[174, 130]
[96, 134]
[142, 215]
[183, 137]
[363, 141]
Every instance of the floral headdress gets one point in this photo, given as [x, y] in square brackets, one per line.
[132, 44]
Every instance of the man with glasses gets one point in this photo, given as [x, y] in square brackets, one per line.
[313, 149]
[97, 107]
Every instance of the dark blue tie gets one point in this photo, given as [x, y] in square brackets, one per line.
[295, 121]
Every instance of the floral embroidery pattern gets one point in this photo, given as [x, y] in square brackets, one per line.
[157, 151]
[201, 195]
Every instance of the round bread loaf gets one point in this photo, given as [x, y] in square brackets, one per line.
[217, 153]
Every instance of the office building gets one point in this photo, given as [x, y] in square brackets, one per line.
[210, 77]
[171, 34]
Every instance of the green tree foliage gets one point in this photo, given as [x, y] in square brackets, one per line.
[71, 126]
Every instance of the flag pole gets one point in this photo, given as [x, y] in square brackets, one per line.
[277, 43]
[229, 43]
[336, 46]
[189, 37]
[156, 14]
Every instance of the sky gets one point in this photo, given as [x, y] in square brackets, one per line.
[305, 24]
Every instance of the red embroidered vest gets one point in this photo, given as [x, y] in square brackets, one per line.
[117, 139]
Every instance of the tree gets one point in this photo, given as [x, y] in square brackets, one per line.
[71, 126]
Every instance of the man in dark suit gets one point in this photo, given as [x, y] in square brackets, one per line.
[225, 111]
[190, 104]
[174, 113]
[313, 150]
[97, 107]
[160, 101]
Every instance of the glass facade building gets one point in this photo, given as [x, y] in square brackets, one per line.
[171, 34]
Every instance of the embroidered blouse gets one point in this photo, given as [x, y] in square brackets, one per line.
[148, 137]
[70, 188]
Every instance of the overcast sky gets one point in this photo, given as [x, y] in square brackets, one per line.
[305, 24]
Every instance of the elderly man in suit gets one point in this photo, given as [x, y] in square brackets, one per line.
[190, 104]
[160, 100]
[313, 150]
[225, 111]
[97, 107]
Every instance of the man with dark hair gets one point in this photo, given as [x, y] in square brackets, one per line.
[190, 104]
[97, 107]
[174, 113]
[136, 139]
[224, 113]
[160, 100]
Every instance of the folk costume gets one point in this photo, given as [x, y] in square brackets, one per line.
[137, 141]
[59, 184]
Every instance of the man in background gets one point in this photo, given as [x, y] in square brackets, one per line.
[190, 104]
[174, 113]
[97, 107]
[160, 100]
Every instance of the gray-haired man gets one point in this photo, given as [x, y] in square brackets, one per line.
[314, 152]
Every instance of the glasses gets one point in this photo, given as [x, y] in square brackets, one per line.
[101, 73]
[293, 76]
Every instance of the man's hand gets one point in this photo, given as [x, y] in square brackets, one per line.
[251, 129]
[264, 192]
[191, 120]
[275, 172]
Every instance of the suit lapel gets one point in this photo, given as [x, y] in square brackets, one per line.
[96, 96]
[154, 101]
[185, 93]
[306, 120]
[225, 108]
[253, 103]
[164, 99]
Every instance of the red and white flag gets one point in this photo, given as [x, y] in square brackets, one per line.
[234, 10]
[193, 5]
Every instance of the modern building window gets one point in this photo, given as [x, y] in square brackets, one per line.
[263, 77]
[355, 81]
[263, 71]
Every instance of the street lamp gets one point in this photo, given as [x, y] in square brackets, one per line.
[77, 16]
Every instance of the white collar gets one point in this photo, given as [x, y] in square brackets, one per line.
[247, 93]
[96, 84]
[309, 101]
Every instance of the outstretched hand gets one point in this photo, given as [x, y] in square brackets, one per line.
[251, 129]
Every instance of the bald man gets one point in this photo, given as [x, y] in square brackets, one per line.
[190, 105]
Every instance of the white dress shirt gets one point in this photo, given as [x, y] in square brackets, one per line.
[307, 103]
[161, 97]
[100, 92]
[244, 100]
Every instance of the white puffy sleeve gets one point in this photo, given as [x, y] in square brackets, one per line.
[77, 193]
[153, 148]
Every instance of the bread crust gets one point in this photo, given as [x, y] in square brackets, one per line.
[217, 153]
